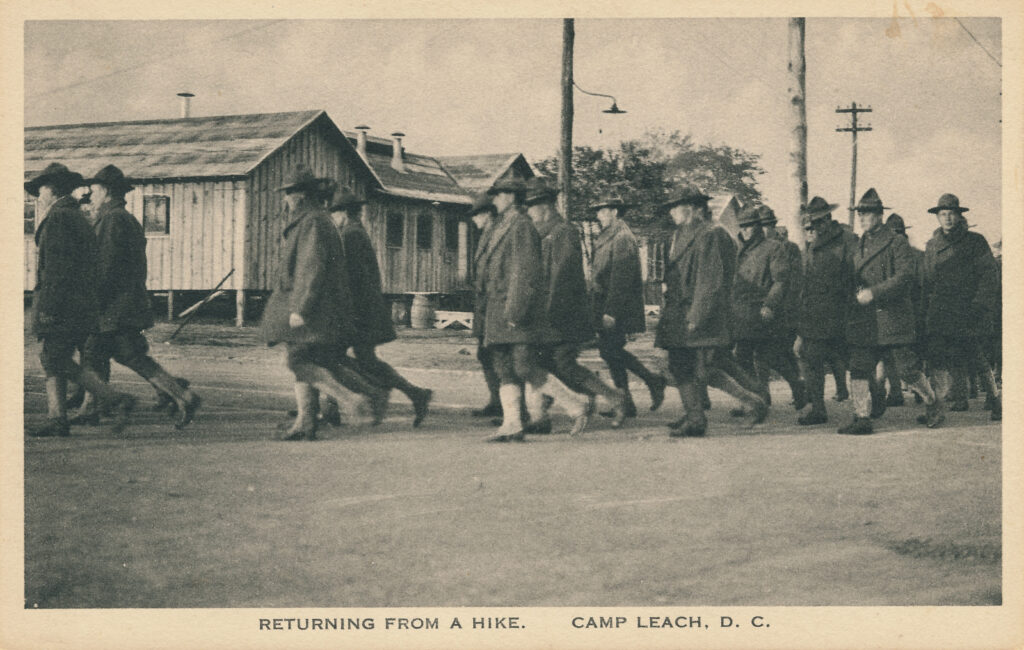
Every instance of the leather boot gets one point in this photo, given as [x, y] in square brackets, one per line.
[307, 404]
[186, 401]
[755, 406]
[694, 424]
[56, 413]
[118, 404]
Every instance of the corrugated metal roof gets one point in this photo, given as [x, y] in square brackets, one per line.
[424, 177]
[195, 147]
[478, 173]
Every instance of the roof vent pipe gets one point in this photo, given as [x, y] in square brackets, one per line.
[397, 162]
[361, 140]
[186, 104]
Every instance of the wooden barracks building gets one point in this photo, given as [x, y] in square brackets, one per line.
[205, 192]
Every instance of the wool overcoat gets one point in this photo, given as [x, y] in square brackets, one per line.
[961, 280]
[828, 284]
[698, 274]
[787, 321]
[763, 279]
[568, 305]
[121, 273]
[512, 280]
[311, 281]
[616, 282]
[479, 295]
[371, 312]
[64, 300]
[883, 263]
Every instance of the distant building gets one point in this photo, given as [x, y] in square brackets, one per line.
[479, 173]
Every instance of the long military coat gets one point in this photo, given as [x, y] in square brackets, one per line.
[961, 284]
[479, 293]
[616, 282]
[121, 273]
[568, 306]
[698, 276]
[763, 279]
[787, 320]
[512, 281]
[312, 281]
[371, 313]
[884, 264]
[828, 284]
[64, 300]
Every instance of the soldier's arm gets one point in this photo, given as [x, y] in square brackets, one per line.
[986, 298]
[310, 265]
[524, 272]
[780, 267]
[903, 277]
[624, 258]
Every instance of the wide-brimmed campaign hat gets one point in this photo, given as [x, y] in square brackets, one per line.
[896, 224]
[343, 199]
[112, 177]
[481, 203]
[54, 174]
[948, 202]
[300, 178]
[768, 217]
[513, 185]
[870, 202]
[818, 208]
[688, 194]
[609, 201]
[749, 216]
[539, 190]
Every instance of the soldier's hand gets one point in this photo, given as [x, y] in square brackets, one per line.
[691, 328]
[767, 313]
[295, 320]
[608, 321]
[864, 296]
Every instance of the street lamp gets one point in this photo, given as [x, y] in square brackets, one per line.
[614, 110]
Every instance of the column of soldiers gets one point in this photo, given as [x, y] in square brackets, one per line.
[732, 315]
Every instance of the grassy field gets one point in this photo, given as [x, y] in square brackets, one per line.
[222, 515]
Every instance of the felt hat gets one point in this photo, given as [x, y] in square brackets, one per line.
[112, 177]
[948, 202]
[817, 208]
[481, 203]
[54, 174]
[538, 190]
[513, 185]
[749, 216]
[870, 202]
[768, 217]
[688, 194]
[300, 178]
[345, 198]
[609, 201]
[896, 224]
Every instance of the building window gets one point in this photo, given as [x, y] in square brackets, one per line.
[155, 212]
[395, 230]
[425, 232]
[656, 261]
[451, 233]
[30, 215]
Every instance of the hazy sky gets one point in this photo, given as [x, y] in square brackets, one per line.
[489, 86]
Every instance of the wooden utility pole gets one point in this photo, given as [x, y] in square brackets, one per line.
[565, 148]
[853, 129]
[798, 117]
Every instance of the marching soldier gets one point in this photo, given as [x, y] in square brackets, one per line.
[616, 292]
[124, 307]
[881, 319]
[371, 315]
[694, 326]
[484, 216]
[311, 309]
[791, 302]
[64, 301]
[961, 286]
[895, 395]
[763, 283]
[824, 301]
[567, 306]
[511, 278]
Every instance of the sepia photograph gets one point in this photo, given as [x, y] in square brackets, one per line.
[544, 328]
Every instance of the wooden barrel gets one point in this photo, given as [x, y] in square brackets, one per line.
[421, 316]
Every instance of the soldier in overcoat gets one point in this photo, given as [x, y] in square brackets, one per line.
[616, 296]
[567, 305]
[64, 308]
[123, 302]
[515, 322]
[824, 301]
[764, 275]
[786, 322]
[881, 318]
[961, 298]
[695, 322]
[484, 216]
[371, 313]
[890, 373]
[311, 310]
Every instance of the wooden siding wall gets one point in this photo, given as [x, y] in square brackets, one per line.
[409, 268]
[201, 247]
[315, 147]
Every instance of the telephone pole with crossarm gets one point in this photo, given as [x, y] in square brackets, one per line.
[853, 129]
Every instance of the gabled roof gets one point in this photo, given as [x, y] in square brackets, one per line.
[478, 173]
[424, 177]
[222, 146]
